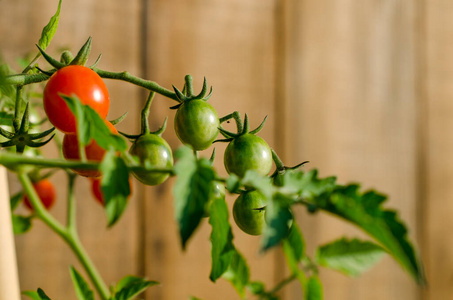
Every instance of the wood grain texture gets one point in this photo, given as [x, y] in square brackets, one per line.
[232, 44]
[350, 93]
[43, 258]
[438, 101]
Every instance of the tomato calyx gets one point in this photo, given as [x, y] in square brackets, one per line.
[281, 169]
[187, 93]
[67, 59]
[21, 138]
[242, 127]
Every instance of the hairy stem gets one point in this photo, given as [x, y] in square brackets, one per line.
[68, 234]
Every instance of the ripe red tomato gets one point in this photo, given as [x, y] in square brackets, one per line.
[46, 192]
[81, 81]
[97, 190]
[93, 151]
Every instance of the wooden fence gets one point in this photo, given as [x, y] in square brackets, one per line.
[361, 89]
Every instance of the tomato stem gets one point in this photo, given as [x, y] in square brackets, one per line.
[68, 234]
[145, 114]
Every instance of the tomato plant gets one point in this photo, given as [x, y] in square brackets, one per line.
[75, 94]
[196, 124]
[79, 81]
[46, 193]
[154, 150]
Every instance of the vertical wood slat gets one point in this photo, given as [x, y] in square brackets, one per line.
[350, 87]
[438, 101]
[9, 279]
[42, 257]
[232, 44]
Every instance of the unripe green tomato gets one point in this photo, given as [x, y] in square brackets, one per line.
[197, 124]
[248, 152]
[217, 191]
[248, 213]
[155, 150]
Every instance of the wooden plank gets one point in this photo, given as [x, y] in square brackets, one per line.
[232, 44]
[350, 70]
[43, 259]
[438, 73]
[9, 279]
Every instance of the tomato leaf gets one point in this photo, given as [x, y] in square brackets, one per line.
[81, 287]
[365, 210]
[49, 30]
[279, 220]
[32, 295]
[83, 127]
[21, 224]
[15, 200]
[294, 247]
[42, 295]
[191, 191]
[130, 286]
[101, 133]
[313, 289]
[115, 186]
[238, 273]
[351, 257]
[221, 238]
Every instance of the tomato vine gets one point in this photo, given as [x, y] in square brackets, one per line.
[92, 147]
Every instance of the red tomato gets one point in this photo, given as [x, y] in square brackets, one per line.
[93, 151]
[81, 81]
[46, 192]
[97, 190]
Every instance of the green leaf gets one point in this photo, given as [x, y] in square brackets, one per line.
[21, 224]
[130, 286]
[238, 273]
[81, 287]
[256, 287]
[43, 295]
[32, 295]
[233, 183]
[261, 183]
[191, 191]
[279, 219]
[313, 289]
[101, 133]
[351, 257]
[91, 125]
[115, 186]
[294, 247]
[221, 238]
[15, 200]
[82, 125]
[6, 118]
[365, 210]
[49, 30]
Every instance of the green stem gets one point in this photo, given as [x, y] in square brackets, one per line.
[145, 114]
[24, 79]
[17, 117]
[149, 85]
[237, 118]
[68, 234]
[12, 160]
[71, 209]
[282, 284]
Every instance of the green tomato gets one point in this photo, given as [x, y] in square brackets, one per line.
[217, 191]
[249, 212]
[248, 152]
[197, 124]
[155, 150]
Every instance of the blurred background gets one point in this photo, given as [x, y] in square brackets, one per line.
[361, 89]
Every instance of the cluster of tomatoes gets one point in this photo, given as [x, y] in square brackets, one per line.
[196, 124]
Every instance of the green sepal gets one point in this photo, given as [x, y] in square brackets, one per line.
[82, 56]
